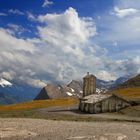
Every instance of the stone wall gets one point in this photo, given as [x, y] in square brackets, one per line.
[111, 104]
[89, 85]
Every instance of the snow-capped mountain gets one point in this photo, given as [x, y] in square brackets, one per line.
[5, 83]
[13, 92]
[101, 91]
[101, 84]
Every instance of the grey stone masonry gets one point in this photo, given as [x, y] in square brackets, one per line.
[89, 85]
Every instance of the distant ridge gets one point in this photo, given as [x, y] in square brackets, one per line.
[132, 82]
[75, 89]
[53, 91]
[50, 91]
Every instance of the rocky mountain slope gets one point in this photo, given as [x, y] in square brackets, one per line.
[75, 88]
[13, 92]
[132, 82]
[50, 91]
[53, 91]
[4, 83]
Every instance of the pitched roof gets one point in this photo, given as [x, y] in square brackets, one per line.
[94, 98]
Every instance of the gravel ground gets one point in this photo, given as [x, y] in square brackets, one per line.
[37, 129]
[74, 111]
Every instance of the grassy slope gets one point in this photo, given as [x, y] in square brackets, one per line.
[132, 94]
[30, 109]
[40, 104]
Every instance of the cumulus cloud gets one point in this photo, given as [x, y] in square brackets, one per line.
[47, 3]
[66, 30]
[9, 43]
[125, 12]
[36, 83]
[56, 56]
[15, 56]
[105, 75]
[9, 75]
[63, 51]
[66, 36]
[129, 66]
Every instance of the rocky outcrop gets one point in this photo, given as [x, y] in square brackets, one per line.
[51, 91]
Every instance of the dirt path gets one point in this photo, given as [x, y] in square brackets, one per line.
[36, 129]
[74, 111]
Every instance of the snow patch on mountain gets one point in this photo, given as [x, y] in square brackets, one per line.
[5, 83]
[81, 91]
[72, 90]
[69, 94]
[100, 91]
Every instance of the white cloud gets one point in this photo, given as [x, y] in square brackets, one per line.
[31, 16]
[105, 75]
[126, 4]
[115, 43]
[9, 42]
[128, 66]
[125, 12]
[57, 55]
[36, 83]
[125, 30]
[8, 75]
[16, 29]
[3, 14]
[63, 51]
[66, 29]
[47, 3]
[16, 11]
[66, 36]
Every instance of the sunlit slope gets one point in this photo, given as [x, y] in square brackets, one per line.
[133, 82]
[40, 104]
[129, 93]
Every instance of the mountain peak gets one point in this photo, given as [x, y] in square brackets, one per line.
[5, 83]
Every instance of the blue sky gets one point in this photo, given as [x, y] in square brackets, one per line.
[56, 41]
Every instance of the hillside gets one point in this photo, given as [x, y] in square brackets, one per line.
[54, 91]
[40, 104]
[133, 82]
[14, 92]
[6, 98]
[130, 94]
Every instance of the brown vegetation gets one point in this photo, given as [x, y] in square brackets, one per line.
[129, 93]
[40, 104]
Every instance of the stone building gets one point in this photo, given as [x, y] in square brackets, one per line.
[99, 103]
[89, 85]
